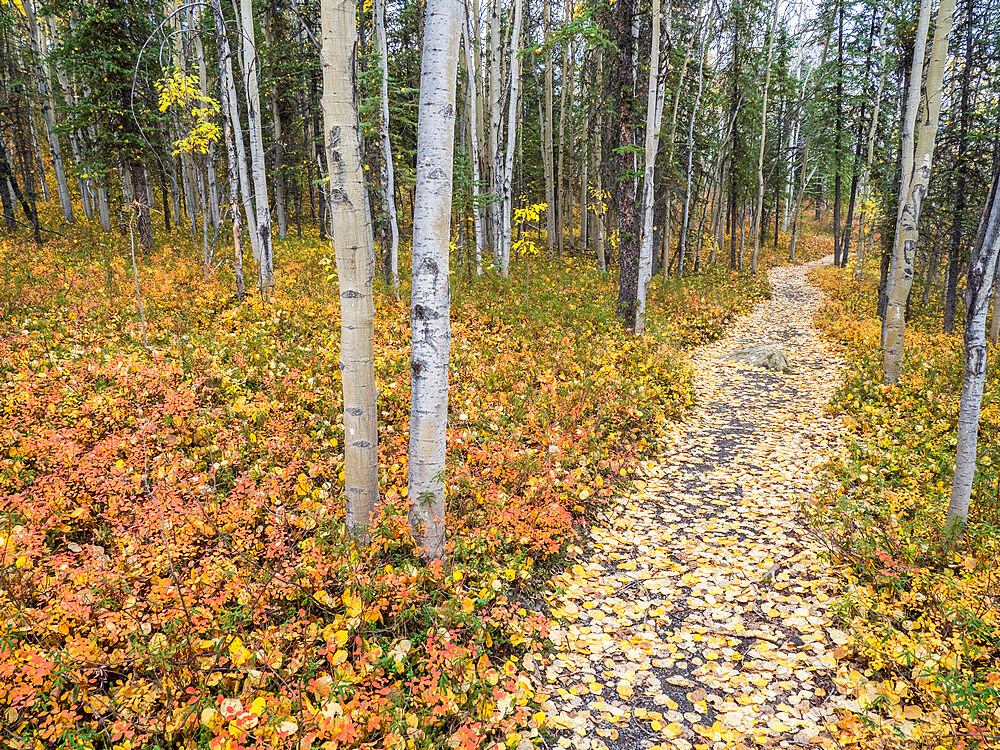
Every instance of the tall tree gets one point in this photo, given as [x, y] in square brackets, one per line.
[909, 221]
[355, 253]
[430, 295]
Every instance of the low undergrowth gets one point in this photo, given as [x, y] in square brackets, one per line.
[921, 604]
[174, 571]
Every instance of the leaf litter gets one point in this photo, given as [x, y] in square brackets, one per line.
[701, 615]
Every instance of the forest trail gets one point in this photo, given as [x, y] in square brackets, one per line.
[701, 615]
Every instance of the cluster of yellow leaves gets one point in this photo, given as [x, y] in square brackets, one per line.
[184, 92]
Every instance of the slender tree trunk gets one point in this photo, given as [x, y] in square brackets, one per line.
[599, 207]
[622, 86]
[506, 191]
[961, 165]
[869, 158]
[248, 48]
[838, 137]
[477, 213]
[907, 232]
[682, 249]
[227, 82]
[654, 112]
[429, 309]
[759, 213]
[388, 169]
[48, 113]
[234, 185]
[355, 254]
[546, 126]
[980, 280]
[907, 139]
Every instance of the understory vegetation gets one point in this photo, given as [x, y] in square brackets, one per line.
[921, 604]
[174, 570]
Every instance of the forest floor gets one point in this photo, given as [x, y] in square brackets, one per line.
[701, 613]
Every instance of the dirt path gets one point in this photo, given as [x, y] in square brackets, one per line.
[701, 617]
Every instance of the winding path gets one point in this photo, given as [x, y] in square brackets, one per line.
[701, 615]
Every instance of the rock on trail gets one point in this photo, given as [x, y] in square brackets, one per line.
[701, 616]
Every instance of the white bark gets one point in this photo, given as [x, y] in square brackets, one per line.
[355, 254]
[258, 165]
[980, 280]
[388, 169]
[904, 258]
[228, 83]
[907, 135]
[763, 137]
[48, 112]
[506, 189]
[430, 294]
[496, 104]
[546, 125]
[654, 111]
[477, 211]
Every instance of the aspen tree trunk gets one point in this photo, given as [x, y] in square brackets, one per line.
[907, 138]
[280, 191]
[431, 298]
[979, 282]
[668, 211]
[507, 196]
[48, 113]
[496, 104]
[602, 261]
[213, 185]
[477, 212]
[838, 136]
[248, 52]
[870, 156]
[546, 125]
[758, 214]
[355, 253]
[234, 186]
[564, 85]
[654, 110]
[228, 84]
[584, 202]
[388, 169]
[961, 166]
[908, 225]
[682, 249]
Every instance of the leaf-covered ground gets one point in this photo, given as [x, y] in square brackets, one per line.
[922, 606]
[173, 565]
[702, 614]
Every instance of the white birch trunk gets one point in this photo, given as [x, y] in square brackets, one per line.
[654, 110]
[907, 135]
[388, 168]
[258, 165]
[907, 230]
[477, 212]
[430, 294]
[980, 280]
[546, 125]
[355, 253]
[496, 104]
[228, 83]
[763, 137]
[48, 113]
[507, 197]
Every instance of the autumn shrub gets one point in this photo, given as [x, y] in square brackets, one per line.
[919, 601]
[174, 569]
